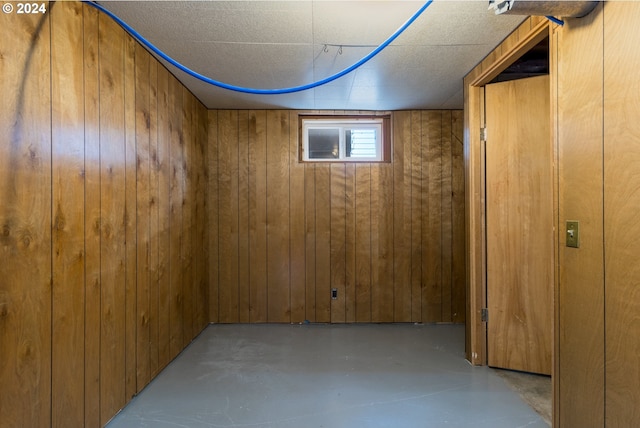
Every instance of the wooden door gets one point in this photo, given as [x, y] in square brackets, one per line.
[520, 256]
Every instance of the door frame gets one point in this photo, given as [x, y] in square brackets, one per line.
[533, 30]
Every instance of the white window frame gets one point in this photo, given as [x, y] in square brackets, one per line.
[343, 124]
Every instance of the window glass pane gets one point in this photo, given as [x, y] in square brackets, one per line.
[324, 143]
[361, 143]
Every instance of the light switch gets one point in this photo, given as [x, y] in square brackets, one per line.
[573, 234]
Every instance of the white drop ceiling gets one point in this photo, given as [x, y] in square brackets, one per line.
[274, 44]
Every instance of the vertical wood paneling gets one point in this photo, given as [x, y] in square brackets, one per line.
[244, 266]
[213, 216]
[130, 217]
[257, 216]
[382, 298]
[350, 243]
[90, 129]
[67, 143]
[278, 255]
[202, 221]
[446, 209]
[112, 203]
[432, 226]
[164, 226]
[323, 242]
[176, 171]
[154, 224]
[228, 215]
[622, 204]
[580, 182]
[363, 243]
[417, 206]
[402, 216]
[92, 222]
[187, 235]
[337, 241]
[458, 259]
[296, 224]
[310, 240]
[375, 232]
[25, 221]
[142, 213]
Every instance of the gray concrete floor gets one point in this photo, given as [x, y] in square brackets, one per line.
[307, 376]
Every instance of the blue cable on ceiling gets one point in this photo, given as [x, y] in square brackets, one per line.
[246, 90]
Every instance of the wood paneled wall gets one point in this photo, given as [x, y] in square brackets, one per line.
[388, 236]
[103, 273]
[598, 130]
[596, 122]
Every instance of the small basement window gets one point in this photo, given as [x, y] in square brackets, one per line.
[344, 138]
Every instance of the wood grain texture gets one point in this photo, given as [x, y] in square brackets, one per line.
[68, 187]
[621, 207]
[580, 181]
[432, 226]
[458, 253]
[417, 207]
[130, 218]
[323, 242]
[519, 225]
[89, 135]
[154, 223]
[296, 225]
[92, 223]
[258, 216]
[143, 214]
[164, 218]
[446, 215]
[228, 215]
[176, 171]
[244, 265]
[213, 215]
[401, 201]
[338, 230]
[278, 250]
[188, 211]
[25, 221]
[359, 228]
[514, 45]
[113, 219]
